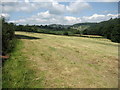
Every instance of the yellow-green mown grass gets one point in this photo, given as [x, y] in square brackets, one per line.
[66, 62]
[16, 72]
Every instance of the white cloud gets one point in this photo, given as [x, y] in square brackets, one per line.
[95, 16]
[44, 14]
[9, 1]
[77, 7]
[60, 0]
[72, 20]
[112, 15]
[53, 7]
[75, 0]
[4, 15]
[72, 7]
[48, 18]
[107, 0]
[98, 17]
[18, 7]
[27, 1]
[57, 8]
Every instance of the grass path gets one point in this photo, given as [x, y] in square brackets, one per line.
[70, 62]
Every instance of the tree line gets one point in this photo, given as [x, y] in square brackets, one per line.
[47, 29]
[109, 29]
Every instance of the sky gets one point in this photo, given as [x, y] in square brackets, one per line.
[56, 12]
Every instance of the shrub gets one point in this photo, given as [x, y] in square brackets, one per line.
[8, 37]
[65, 33]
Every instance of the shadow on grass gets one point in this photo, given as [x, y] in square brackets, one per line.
[25, 37]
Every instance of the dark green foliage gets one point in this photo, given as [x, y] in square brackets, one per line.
[78, 24]
[8, 37]
[48, 29]
[115, 36]
[65, 33]
[83, 24]
[109, 29]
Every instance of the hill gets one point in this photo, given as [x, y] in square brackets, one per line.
[59, 26]
[109, 29]
[82, 26]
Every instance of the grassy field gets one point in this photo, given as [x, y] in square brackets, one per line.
[52, 61]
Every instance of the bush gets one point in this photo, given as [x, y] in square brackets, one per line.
[65, 33]
[8, 37]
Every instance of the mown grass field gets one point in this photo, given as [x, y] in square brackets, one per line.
[52, 61]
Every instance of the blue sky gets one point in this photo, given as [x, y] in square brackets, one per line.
[59, 12]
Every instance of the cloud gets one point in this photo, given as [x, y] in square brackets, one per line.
[112, 15]
[98, 17]
[4, 15]
[54, 13]
[60, 0]
[72, 7]
[9, 1]
[53, 7]
[27, 1]
[103, 0]
[18, 7]
[75, 0]
[77, 7]
[44, 14]
[72, 20]
[57, 8]
[48, 18]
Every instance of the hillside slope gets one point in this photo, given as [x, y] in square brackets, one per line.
[82, 26]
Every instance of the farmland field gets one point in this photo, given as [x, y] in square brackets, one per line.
[64, 62]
